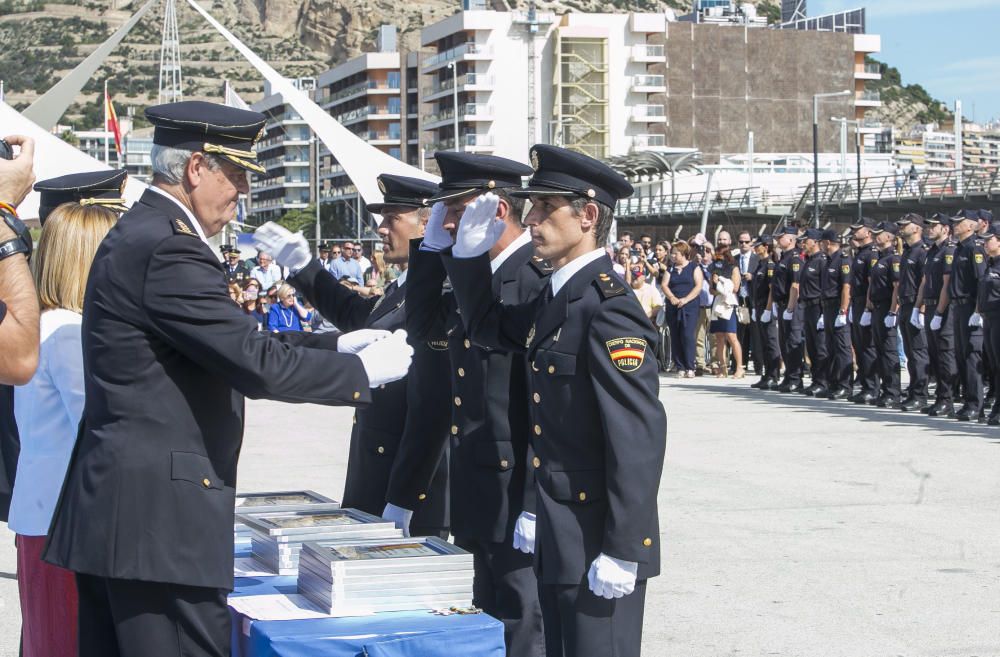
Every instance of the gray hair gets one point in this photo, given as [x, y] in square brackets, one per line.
[169, 163]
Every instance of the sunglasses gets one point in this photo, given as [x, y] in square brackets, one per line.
[744, 241]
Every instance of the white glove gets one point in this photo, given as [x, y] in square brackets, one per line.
[866, 318]
[387, 360]
[612, 578]
[889, 321]
[976, 320]
[787, 315]
[821, 324]
[917, 319]
[436, 238]
[400, 516]
[753, 314]
[479, 228]
[765, 317]
[355, 341]
[840, 321]
[774, 310]
[524, 533]
[288, 249]
[936, 323]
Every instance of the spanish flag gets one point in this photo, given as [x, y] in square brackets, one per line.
[111, 120]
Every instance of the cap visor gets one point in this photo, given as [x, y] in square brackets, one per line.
[243, 164]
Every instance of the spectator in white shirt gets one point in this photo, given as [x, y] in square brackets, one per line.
[48, 410]
[266, 272]
[647, 294]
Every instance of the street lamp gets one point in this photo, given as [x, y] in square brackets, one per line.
[857, 150]
[454, 99]
[316, 143]
[816, 98]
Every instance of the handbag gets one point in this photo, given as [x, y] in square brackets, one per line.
[742, 314]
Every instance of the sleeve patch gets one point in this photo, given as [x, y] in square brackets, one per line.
[845, 269]
[627, 354]
[796, 266]
[874, 261]
[438, 345]
[979, 258]
[948, 259]
[895, 267]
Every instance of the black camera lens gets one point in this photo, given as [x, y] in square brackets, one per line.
[6, 152]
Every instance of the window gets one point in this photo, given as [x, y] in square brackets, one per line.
[394, 131]
[394, 104]
[392, 79]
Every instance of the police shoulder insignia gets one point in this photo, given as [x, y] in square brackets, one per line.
[796, 266]
[874, 261]
[770, 272]
[608, 286]
[979, 258]
[895, 267]
[438, 345]
[626, 354]
[845, 269]
[182, 227]
[948, 258]
[541, 265]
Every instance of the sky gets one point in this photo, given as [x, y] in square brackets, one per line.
[947, 46]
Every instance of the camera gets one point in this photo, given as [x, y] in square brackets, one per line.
[6, 152]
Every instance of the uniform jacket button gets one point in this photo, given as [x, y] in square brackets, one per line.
[647, 542]
[503, 463]
[454, 430]
[467, 343]
[538, 430]
[422, 497]
[583, 496]
[537, 398]
[357, 395]
[552, 369]
[458, 401]
[537, 462]
[206, 482]
[381, 450]
[461, 372]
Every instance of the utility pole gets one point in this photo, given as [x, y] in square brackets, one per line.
[816, 99]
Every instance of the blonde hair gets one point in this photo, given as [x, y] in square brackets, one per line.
[283, 290]
[66, 249]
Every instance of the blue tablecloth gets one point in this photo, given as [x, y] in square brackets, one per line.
[393, 634]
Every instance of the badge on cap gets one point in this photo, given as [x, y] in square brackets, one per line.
[534, 159]
[627, 354]
[381, 186]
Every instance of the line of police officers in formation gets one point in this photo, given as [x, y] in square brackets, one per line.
[934, 281]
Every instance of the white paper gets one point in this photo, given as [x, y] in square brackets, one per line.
[276, 606]
[250, 567]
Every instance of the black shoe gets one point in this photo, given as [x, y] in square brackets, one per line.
[993, 420]
[942, 409]
[760, 385]
[864, 398]
[913, 403]
[926, 410]
[982, 417]
[817, 391]
[965, 415]
[840, 393]
[772, 385]
[788, 386]
[887, 402]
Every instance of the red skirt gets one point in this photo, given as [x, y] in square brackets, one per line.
[48, 602]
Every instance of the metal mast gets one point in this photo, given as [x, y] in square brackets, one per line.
[170, 57]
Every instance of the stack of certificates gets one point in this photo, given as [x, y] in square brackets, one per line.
[365, 576]
[277, 537]
[290, 500]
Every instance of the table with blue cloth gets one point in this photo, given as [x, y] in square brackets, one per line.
[387, 634]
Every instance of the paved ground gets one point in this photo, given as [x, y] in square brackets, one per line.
[791, 527]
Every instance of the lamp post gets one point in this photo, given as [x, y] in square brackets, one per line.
[857, 151]
[316, 142]
[816, 99]
[454, 99]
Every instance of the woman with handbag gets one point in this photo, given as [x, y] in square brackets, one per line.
[725, 282]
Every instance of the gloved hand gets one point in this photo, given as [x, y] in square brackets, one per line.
[287, 248]
[975, 320]
[936, 323]
[774, 310]
[524, 533]
[765, 317]
[612, 578]
[821, 324]
[398, 515]
[917, 319]
[355, 341]
[387, 360]
[436, 238]
[479, 228]
[866, 318]
[841, 320]
[787, 315]
[753, 314]
[889, 321]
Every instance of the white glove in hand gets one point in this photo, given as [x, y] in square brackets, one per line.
[355, 341]
[765, 317]
[889, 321]
[287, 248]
[612, 578]
[936, 323]
[753, 314]
[436, 238]
[976, 320]
[398, 515]
[524, 533]
[917, 319]
[787, 315]
[866, 318]
[387, 360]
[840, 321]
[479, 228]
[821, 324]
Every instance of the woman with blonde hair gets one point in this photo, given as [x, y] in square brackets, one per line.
[48, 411]
[286, 314]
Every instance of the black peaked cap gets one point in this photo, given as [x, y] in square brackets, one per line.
[403, 191]
[464, 173]
[560, 171]
[196, 125]
[104, 188]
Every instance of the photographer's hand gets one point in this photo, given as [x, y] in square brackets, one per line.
[17, 175]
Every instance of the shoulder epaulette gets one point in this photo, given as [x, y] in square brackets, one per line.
[608, 286]
[540, 265]
[180, 227]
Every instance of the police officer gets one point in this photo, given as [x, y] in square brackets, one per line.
[145, 517]
[836, 305]
[968, 267]
[236, 271]
[932, 299]
[811, 299]
[883, 313]
[989, 303]
[398, 441]
[911, 325]
[765, 327]
[785, 308]
[989, 357]
[597, 426]
[865, 258]
[492, 479]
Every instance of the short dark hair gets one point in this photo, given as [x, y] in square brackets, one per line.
[605, 217]
[624, 233]
[646, 236]
[744, 232]
[516, 203]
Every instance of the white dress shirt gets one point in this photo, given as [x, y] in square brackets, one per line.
[522, 239]
[564, 273]
[48, 411]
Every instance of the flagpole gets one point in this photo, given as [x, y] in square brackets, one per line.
[107, 135]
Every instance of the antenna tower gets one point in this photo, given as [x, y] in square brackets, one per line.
[170, 57]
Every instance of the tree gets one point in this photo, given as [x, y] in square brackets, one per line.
[70, 138]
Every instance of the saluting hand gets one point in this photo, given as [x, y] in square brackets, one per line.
[479, 228]
[288, 249]
[436, 238]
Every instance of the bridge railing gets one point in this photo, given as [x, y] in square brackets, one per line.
[691, 202]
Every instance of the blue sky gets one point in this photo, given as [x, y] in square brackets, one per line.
[947, 46]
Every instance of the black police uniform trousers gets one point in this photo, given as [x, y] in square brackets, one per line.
[864, 349]
[991, 324]
[131, 618]
[887, 349]
[838, 347]
[581, 624]
[816, 345]
[915, 348]
[792, 344]
[766, 346]
[941, 348]
[968, 354]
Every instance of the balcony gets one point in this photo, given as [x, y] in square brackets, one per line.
[467, 112]
[649, 114]
[464, 52]
[470, 142]
[645, 142]
[363, 87]
[365, 113]
[870, 71]
[285, 118]
[649, 84]
[277, 182]
[868, 98]
[466, 82]
[649, 53]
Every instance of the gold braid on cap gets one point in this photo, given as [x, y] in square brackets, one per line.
[231, 152]
[102, 201]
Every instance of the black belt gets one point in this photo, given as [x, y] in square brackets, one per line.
[961, 301]
[809, 303]
[907, 301]
[829, 300]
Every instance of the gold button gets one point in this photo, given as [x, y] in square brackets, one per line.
[467, 343]
[552, 369]
[503, 463]
[583, 496]
[357, 395]
[537, 462]
[206, 482]
[647, 542]
[537, 397]
[422, 497]
[380, 450]
[454, 430]
[458, 401]
[461, 372]
[538, 430]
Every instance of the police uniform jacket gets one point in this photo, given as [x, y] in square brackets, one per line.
[937, 265]
[989, 291]
[884, 275]
[762, 277]
[492, 479]
[788, 271]
[168, 358]
[836, 275]
[238, 274]
[597, 426]
[811, 281]
[911, 269]
[864, 259]
[966, 270]
[403, 429]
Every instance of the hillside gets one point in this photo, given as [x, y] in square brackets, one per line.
[905, 105]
